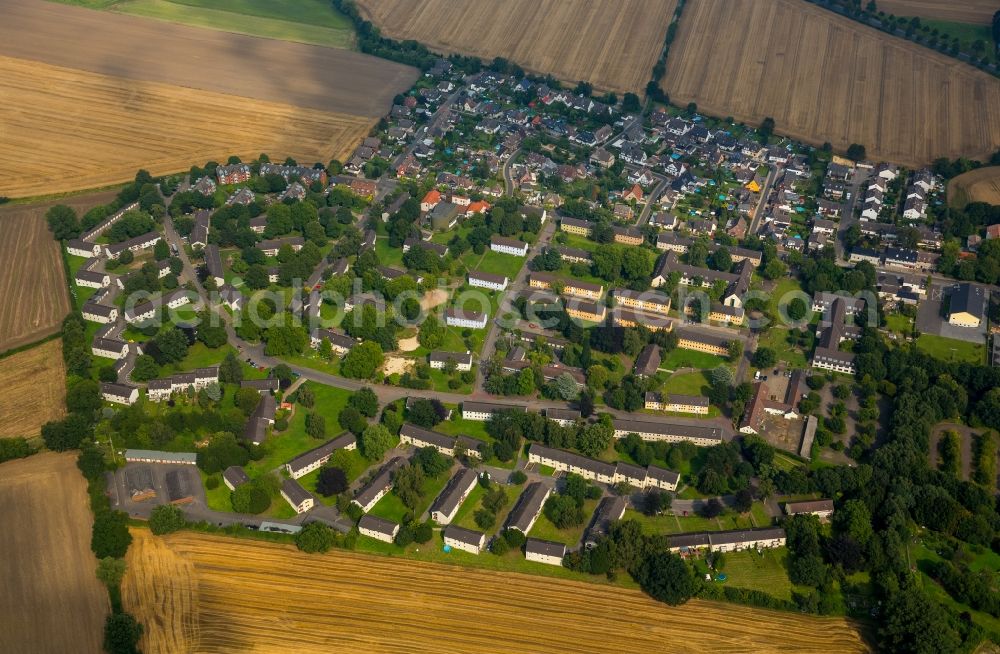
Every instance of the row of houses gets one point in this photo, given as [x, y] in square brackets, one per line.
[602, 471]
[158, 390]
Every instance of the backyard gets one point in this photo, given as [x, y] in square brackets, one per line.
[950, 349]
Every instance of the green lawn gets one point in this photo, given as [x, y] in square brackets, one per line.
[898, 323]
[494, 262]
[302, 21]
[545, 530]
[766, 572]
[466, 514]
[677, 524]
[776, 338]
[921, 555]
[392, 508]
[679, 358]
[688, 383]
[780, 294]
[387, 255]
[471, 503]
[82, 293]
[282, 447]
[966, 33]
[950, 349]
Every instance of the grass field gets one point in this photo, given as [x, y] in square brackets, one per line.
[611, 45]
[32, 282]
[966, 11]
[544, 529]
[950, 349]
[34, 383]
[766, 572]
[392, 508]
[304, 21]
[898, 323]
[52, 600]
[687, 383]
[823, 77]
[776, 338]
[980, 185]
[679, 358]
[105, 128]
[181, 586]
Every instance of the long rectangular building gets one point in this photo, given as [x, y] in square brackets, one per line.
[448, 502]
[602, 471]
[728, 541]
[380, 484]
[528, 507]
[305, 463]
[670, 432]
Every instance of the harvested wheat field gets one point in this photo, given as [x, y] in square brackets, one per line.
[612, 45]
[960, 11]
[51, 599]
[69, 130]
[38, 374]
[33, 294]
[980, 185]
[827, 78]
[204, 593]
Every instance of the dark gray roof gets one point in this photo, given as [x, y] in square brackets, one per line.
[321, 452]
[489, 407]
[528, 506]
[379, 482]
[269, 384]
[969, 298]
[662, 474]
[427, 436]
[381, 525]
[294, 491]
[562, 414]
[178, 485]
[235, 475]
[666, 428]
[463, 535]
[488, 277]
[609, 510]
[452, 495]
[457, 357]
[544, 547]
[573, 459]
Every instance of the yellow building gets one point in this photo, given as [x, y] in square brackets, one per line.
[587, 311]
[650, 301]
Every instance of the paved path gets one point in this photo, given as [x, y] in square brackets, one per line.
[508, 183]
[758, 212]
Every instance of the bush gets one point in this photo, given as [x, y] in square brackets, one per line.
[110, 535]
[331, 481]
[315, 537]
[518, 477]
[212, 482]
[121, 634]
[166, 518]
[251, 498]
[499, 546]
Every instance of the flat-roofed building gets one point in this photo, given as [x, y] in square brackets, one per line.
[154, 456]
[450, 500]
[544, 551]
[529, 507]
[466, 540]
[378, 528]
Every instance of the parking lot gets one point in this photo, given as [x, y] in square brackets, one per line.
[931, 318]
[121, 498]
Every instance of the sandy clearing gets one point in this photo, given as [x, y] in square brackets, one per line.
[409, 344]
[397, 365]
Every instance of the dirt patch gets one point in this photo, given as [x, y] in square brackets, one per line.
[143, 49]
[980, 185]
[408, 344]
[966, 11]
[103, 129]
[51, 599]
[784, 434]
[433, 298]
[612, 45]
[37, 374]
[397, 365]
[296, 602]
[823, 77]
[33, 294]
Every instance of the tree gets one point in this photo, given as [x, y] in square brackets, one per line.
[315, 537]
[84, 397]
[365, 401]
[315, 425]
[110, 536]
[630, 103]
[766, 129]
[426, 413]
[432, 333]
[121, 634]
[408, 484]
[375, 442]
[432, 462]
[563, 511]
[764, 357]
[995, 30]
[62, 222]
[110, 571]
[743, 500]
[145, 368]
[251, 497]
[912, 622]
[246, 400]
[171, 345]
[734, 350]
[665, 577]
[485, 519]
[331, 481]
[855, 152]
[594, 439]
[351, 420]
[306, 397]
[363, 360]
[165, 519]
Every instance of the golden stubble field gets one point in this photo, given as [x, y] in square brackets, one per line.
[66, 130]
[204, 593]
[827, 78]
[961, 11]
[51, 599]
[980, 185]
[33, 294]
[612, 45]
[34, 383]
